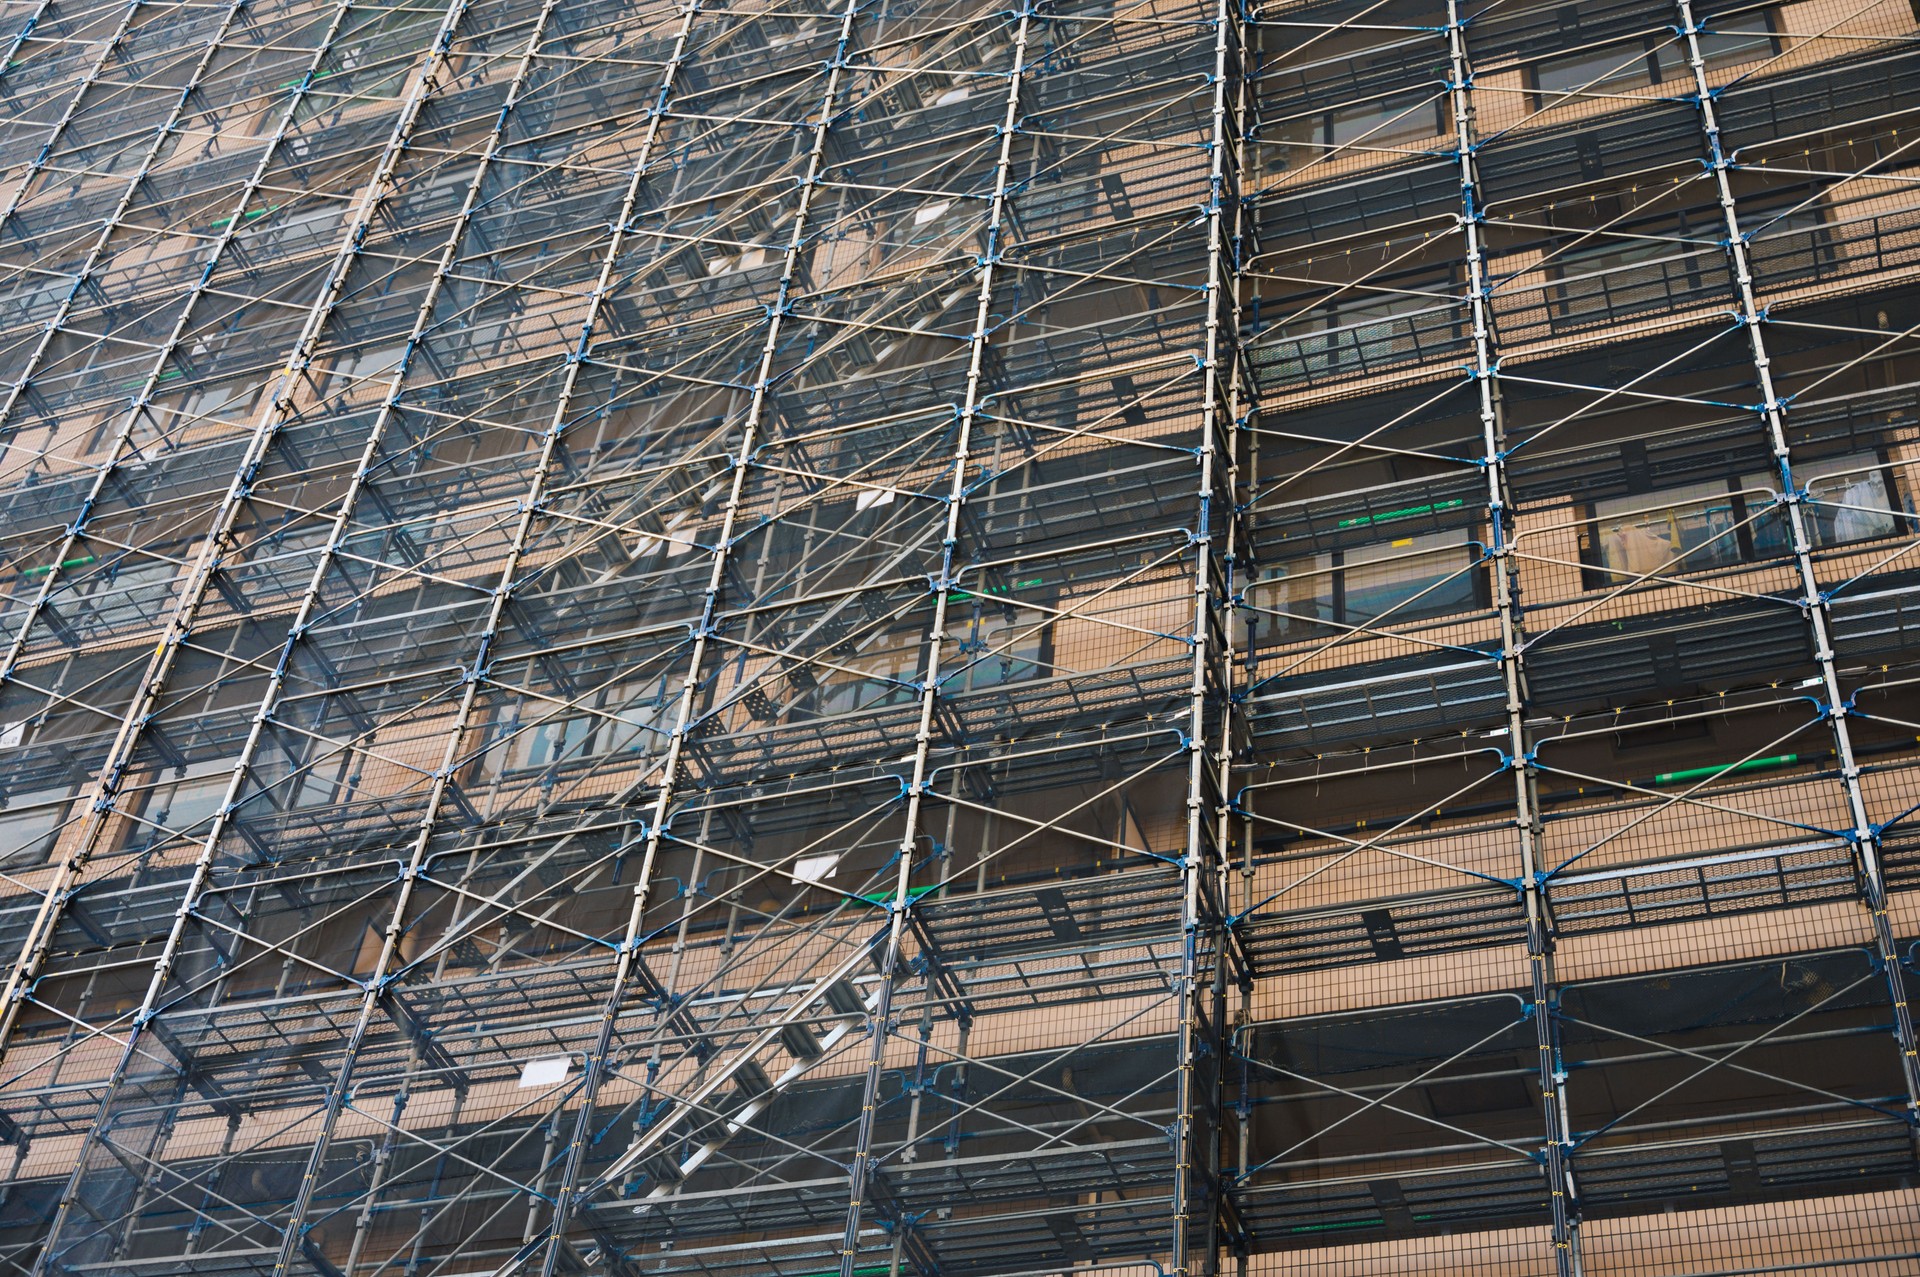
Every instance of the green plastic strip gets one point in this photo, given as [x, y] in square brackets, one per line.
[961, 596]
[168, 375]
[45, 568]
[884, 898]
[1701, 773]
[1367, 520]
[247, 216]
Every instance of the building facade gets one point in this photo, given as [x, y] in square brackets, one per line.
[838, 638]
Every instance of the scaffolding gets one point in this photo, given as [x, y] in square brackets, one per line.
[905, 637]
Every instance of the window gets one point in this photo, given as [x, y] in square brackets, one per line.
[997, 645]
[549, 740]
[1363, 332]
[880, 671]
[1395, 120]
[35, 304]
[1746, 37]
[322, 779]
[846, 542]
[639, 716]
[1393, 581]
[227, 401]
[182, 804]
[1643, 534]
[368, 374]
[1387, 121]
[1678, 260]
[1653, 59]
[29, 826]
[1606, 70]
[1609, 254]
[1655, 264]
[621, 718]
[270, 231]
[1295, 601]
[1790, 244]
[1415, 576]
[943, 219]
[989, 643]
[282, 561]
[1848, 499]
[747, 259]
[1721, 522]
[132, 590]
[676, 540]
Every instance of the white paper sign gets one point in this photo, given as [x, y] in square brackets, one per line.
[545, 1072]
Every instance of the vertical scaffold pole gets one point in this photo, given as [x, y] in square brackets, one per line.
[860, 1172]
[1814, 603]
[1199, 988]
[71, 872]
[628, 965]
[1502, 561]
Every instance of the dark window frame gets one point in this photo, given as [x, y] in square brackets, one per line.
[1661, 61]
[1337, 571]
[1749, 550]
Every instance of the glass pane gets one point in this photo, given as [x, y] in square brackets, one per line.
[1388, 121]
[990, 650]
[640, 716]
[551, 741]
[1604, 70]
[1407, 578]
[868, 679]
[321, 781]
[1296, 601]
[1679, 530]
[1608, 252]
[1850, 499]
[1853, 507]
[27, 827]
[1370, 331]
[129, 591]
[1609, 277]
[1745, 38]
[1296, 140]
[188, 802]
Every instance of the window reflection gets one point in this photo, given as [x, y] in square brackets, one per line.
[1409, 578]
[1002, 645]
[1653, 59]
[1643, 534]
[880, 671]
[1388, 121]
[623, 718]
[1849, 499]
[182, 804]
[1720, 522]
[29, 825]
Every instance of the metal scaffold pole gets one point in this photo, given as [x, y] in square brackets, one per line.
[950, 578]
[1503, 566]
[311, 602]
[932, 638]
[73, 867]
[1835, 704]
